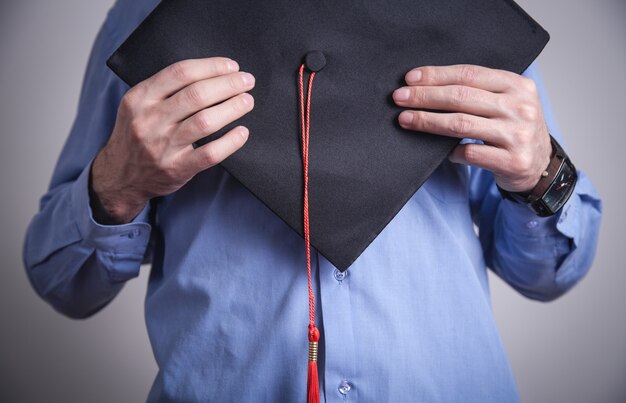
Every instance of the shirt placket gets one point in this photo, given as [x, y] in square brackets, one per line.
[338, 346]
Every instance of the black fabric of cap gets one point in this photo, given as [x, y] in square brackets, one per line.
[363, 166]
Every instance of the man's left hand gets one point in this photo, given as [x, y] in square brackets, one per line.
[498, 107]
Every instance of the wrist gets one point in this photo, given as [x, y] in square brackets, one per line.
[528, 189]
[525, 185]
[553, 188]
[111, 200]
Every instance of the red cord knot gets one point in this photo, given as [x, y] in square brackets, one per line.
[314, 334]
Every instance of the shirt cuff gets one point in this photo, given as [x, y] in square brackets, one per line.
[131, 238]
[519, 218]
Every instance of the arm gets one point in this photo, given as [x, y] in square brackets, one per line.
[127, 146]
[507, 121]
[542, 258]
[74, 263]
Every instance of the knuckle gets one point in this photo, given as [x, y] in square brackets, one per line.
[235, 82]
[126, 105]
[205, 124]
[237, 141]
[181, 71]
[138, 129]
[130, 100]
[170, 173]
[209, 157]
[426, 122]
[195, 96]
[418, 95]
[419, 121]
[461, 125]
[432, 74]
[527, 111]
[504, 104]
[467, 74]
[220, 66]
[238, 105]
[460, 95]
[428, 74]
[471, 154]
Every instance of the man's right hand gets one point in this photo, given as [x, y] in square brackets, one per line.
[150, 151]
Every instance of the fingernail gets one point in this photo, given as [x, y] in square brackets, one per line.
[405, 118]
[244, 133]
[248, 79]
[247, 99]
[413, 76]
[233, 65]
[401, 94]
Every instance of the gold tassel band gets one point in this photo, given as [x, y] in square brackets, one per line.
[312, 351]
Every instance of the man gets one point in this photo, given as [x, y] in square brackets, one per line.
[409, 321]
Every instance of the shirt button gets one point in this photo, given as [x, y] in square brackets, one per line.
[563, 216]
[134, 233]
[531, 224]
[344, 387]
[339, 275]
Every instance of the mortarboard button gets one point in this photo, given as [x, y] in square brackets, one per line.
[315, 60]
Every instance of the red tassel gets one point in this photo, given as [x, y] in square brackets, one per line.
[312, 383]
[313, 390]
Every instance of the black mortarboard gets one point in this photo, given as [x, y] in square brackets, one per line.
[363, 166]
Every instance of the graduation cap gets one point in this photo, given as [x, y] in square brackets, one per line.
[362, 167]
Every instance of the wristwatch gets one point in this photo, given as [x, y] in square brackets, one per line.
[554, 188]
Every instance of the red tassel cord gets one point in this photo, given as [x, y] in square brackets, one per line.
[312, 382]
[313, 393]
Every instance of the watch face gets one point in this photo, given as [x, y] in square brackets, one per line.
[561, 188]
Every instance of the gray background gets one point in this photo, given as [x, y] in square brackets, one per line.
[571, 350]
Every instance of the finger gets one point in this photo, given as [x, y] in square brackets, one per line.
[481, 155]
[458, 125]
[454, 98]
[181, 74]
[217, 150]
[205, 93]
[487, 79]
[210, 120]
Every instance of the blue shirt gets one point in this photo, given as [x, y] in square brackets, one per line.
[226, 306]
